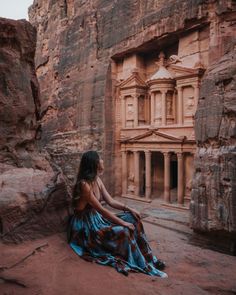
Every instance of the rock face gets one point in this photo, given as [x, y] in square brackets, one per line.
[77, 44]
[75, 67]
[32, 204]
[19, 96]
[213, 205]
[33, 198]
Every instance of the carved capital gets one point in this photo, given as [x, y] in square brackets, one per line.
[179, 88]
[136, 151]
[147, 152]
[180, 156]
[167, 155]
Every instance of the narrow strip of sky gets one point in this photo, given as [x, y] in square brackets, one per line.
[15, 9]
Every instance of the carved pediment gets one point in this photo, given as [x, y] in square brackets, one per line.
[134, 81]
[154, 136]
[180, 71]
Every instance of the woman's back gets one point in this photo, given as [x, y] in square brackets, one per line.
[80, 200]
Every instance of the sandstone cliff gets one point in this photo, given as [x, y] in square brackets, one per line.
[77, 44]
[33, 198]
[213, 205]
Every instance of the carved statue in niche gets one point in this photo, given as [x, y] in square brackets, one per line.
[129, 114]
[131, 182]
[190, 104]
[158, 106]
[130, 110]
[189, 187]
[141, 108]
[169, 103]
[188, 96]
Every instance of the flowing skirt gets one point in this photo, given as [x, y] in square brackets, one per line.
[95, 238]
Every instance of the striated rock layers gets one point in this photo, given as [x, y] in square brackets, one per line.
[78, 45]
[33, 198]
[213, 205]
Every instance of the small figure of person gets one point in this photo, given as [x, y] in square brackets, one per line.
[97, 234]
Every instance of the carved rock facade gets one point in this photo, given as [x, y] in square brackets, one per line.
[78, 45]
[155, 112]
[87, 49]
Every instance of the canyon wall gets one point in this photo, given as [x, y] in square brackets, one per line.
[77, 44]
[213, 205]
[33, 196]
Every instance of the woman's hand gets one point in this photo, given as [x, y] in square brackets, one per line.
[135, 213]
[129, 225]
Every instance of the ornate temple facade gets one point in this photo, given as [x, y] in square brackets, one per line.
[155, 107]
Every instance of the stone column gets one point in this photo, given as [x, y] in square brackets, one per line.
[180, 192]
[180, 106]
[123, 112]
[175, 107]
[167, 177]
[152, 108]
[163, 109]
[135, 111]
[136, 173]
[196, 97]
[124, 173]
[147, 174]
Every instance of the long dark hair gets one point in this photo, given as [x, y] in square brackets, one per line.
[87, 171]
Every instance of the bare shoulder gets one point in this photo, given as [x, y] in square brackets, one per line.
[85, 187]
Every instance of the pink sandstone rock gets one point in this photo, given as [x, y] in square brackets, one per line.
[33, 197]
[78, 43]
[213, 205]
[75, 68]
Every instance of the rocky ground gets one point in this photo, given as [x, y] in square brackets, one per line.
[48, 266]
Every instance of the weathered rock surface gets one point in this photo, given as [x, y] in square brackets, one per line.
[77, 43]
[33, 198]
[213, 205]
[74, 67]
[19, 95]
[33, 204]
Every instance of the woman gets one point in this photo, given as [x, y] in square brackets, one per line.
[98, 235]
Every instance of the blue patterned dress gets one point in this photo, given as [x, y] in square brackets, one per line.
[95, 238]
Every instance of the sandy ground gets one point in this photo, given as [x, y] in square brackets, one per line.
[54, 269]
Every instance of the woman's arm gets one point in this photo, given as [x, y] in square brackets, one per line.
[92, 200]
[114, 203]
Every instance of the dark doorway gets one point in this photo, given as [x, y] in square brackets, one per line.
[157, 164]
[173, 178]
[173, 174]
[142, 174]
